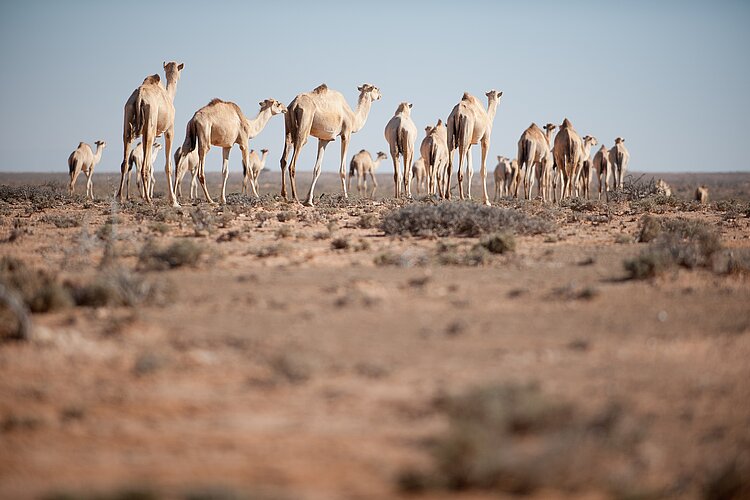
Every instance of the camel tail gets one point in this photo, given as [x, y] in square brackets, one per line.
[433, 154]
[524, 152]
[72, 164]
[297, 133]
[464, 135]
[191, 138]
[138, 125]
[402, 141]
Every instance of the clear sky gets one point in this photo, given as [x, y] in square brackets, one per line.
[672, 77]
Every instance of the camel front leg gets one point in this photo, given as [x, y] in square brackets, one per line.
[361, 183]
[89, 185]
[167, 167]
[247, 169]
[316, 171]
[202, 171]
[483, 171]
[224, 173]
[374, 184]
[342, 166]
[127, 146]
[194, 184]
[283, 164]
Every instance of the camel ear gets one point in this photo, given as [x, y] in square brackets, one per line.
[410, 105]
[164, 64]
[361, 88]
[261, 103]
[440, 122]
[181, 65]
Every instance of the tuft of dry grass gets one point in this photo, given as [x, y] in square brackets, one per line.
[180, 253]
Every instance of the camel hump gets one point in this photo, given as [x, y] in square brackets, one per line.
[151, 79]
[215, 100]
[362, 151]
[566, 123]
[320, 89]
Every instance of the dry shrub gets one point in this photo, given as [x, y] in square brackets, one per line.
[39, 290]
[460, 219]
[120, 287]
[62, 221]
[204, 223]
[498, 242]
[368, 221]
[41, 197]
[180, 253]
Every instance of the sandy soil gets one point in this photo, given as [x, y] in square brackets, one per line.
[281, 367]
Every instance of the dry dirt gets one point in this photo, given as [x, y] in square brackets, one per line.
[279, 366]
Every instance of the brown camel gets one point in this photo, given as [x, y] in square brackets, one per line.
[363, 165]
[255, 165]
[149, 113]
[221, 123]
[324, 114]
[567, 154]
[401, 134]
[83, 159]
[619, 157]
[601, 167]
[468, 124]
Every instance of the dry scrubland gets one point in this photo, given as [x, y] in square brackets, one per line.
[375, 349]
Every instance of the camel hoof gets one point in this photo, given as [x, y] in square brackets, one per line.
[308, 203]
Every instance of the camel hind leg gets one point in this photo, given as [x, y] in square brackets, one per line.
[316, 171]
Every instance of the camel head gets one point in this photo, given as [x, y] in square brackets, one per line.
[405, 108]
[264, 151]
[275, 106]
[102, 144]
[619, 140]
[381, 156]
[590, 140]
[493, 95]
[550, 127]
[172, 70]
[370, 90]
[428, 129]
[157, 146]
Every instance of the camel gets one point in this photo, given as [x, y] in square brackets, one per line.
[503, 177]
[136, 159]
[567, 154]
[324, 114]
[183, 164]
[601, 167]
[434, 151]
[83, 159]
[252, 172]
[362, 164]
[663, 189]
[468, 124]
[401, 134]
[149, 113]
[533, 150]
[618, 159]
[222, 123]
[701, 194]
[515, 176]
[584, 167]
[419, 173]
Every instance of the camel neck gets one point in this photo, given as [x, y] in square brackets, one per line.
[548, 135]
[360, 115]
[255, 125]
[171, 88]
[98, 153]
[491, 109]
[263, 158]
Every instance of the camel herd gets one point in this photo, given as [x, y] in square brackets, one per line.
[561, 166]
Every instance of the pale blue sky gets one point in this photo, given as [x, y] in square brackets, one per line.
[668, 76]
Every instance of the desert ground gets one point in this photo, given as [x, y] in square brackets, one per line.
[374, 348]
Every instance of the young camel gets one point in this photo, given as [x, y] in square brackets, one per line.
[533, 150]
[401, 134]
[324, 114]
[567, 154]
[149, 112]
[619, 158]
[183, 164]
[83, 159]
[663, 188]
[434, 151]
[601, 167]
[468, 124]
[584, 167]
[419, 174]
[503, 177]
[136, 159]
[701, 194]
[252, 172]
[362, 164]
[221, 123]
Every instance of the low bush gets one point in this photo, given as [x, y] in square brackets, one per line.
[183, 252]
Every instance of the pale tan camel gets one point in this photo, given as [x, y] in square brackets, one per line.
[401, 134]
[255, 165]
[183, 164]
[434, 151]
[363, 165]
[83, 159]
[601, 167]
[468, 124]
[567, 154]
[419, 175]
[584, 166]
[149, 113]
[503, 177]
[533, 156]
[619, 159]
[324, 114]
[662, 188]
[221, 123]
[136, 160]
[701, 194]
[515, 176]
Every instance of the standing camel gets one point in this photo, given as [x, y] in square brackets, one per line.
[252, 172]
[503, 177]
[469, 123]
[584, 166]
[701, 194]
[221, 123]
[419, 174]
[619, 158]
[401, 134]
[149, 113]
[601, 168]
[84, 159]
[136, 159]
[434, 151]
[324, 114]
[362, 164]
[533, 155]
[567, 154]
[183, 164]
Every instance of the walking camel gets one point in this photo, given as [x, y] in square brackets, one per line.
[149, 113]
[503, 176]
[533, 155]
[83, 159]
[363, 165]
[324, 114]
[222, 123]
[602, 168]
[434, 151]
[136, 159]
[469, 123]
[419, 174]
[183, 164]
[567, 154]
[584, 167]
[401, 134]
[619, 158]
[252, 172]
